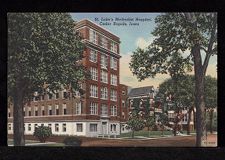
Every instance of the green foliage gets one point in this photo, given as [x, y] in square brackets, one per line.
[42, 133]
[150, 121]
[210, 92]
[213, 120]
[135, 123]
[72, 141]
[43, 48]
[163, 119]
[186, 88]
[173, 36]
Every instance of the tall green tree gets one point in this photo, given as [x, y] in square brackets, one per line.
[43, 48]
[135, 123]
[180, 32]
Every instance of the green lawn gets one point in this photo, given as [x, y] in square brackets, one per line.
[10, 142]
[146, 133]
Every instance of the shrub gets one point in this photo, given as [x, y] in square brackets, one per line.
[72, 141]
[42, 133]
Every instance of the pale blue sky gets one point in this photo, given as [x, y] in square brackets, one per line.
[128, 34]
[132, 37]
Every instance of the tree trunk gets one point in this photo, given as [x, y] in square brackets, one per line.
[199, 97]
[18, 119]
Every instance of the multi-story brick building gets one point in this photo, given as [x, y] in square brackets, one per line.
[98, 111]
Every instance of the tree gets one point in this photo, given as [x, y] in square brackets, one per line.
[42, 133]
[149, 122]
[210, 98]
[186, 94]
[195, 33]
[44, 54]
[163, 119]
[135, 123]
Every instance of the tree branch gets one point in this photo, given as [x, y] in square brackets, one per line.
[210, 45]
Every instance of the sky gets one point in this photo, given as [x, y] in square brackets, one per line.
[131, 37]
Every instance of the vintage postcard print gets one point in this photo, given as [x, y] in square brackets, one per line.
[112, 79]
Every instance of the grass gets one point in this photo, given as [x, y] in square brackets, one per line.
[146, 134]
[10, 142]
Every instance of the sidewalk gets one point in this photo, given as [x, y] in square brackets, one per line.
[37, 144]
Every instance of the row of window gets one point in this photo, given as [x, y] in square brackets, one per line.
[103, 41]
[93, 110]
[104, 93]
[93, 127]
[104, 60]
[104, 109]
[60, 94]
[49, 110]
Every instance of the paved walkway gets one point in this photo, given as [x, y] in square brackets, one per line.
[37, 144]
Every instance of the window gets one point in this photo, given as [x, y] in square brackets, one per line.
[29, 127]
[29, 111]
[93, 36]
[9, 126]
[24, 113]
[78, 108]
[113, 47]
[113, 95]
[123, 114]
[94, 108]
[36, 98]
[104, 61]
[49, 110]
[113, 79]
[56, 127]
[57, 95]
[113, 63]
[104, 110]
[94, 73]
[9, 112]
[104, 76]
[123, 103]
[65, 95]
[57, 109]
[64, 109]
[113, 127]
[50, 126]
[42, 97]
[64, 127]
[50, 95]
[93, 127]
[113, 111]
[94, 91]
[93, 56]
[35, 126]
[36, 111]
[103, 42]
[79, 127]
[104, 93]
[43, 110]
[42, 124]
